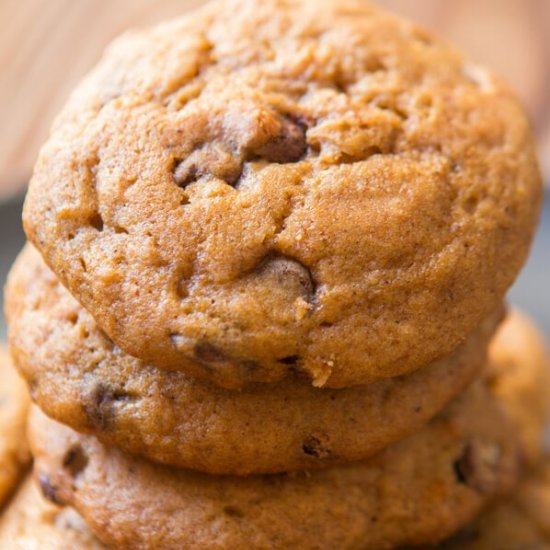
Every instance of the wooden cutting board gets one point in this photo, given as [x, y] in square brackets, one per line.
[47, 45]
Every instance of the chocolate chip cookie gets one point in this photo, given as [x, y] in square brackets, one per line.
[14, 406]
[523, 523]
[32, 522]
[519, 373]
[79, 377]
[267, 187]
[419, 491]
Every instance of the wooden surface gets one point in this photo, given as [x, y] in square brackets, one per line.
[47, 45]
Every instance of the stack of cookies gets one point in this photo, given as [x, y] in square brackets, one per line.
[270, 245]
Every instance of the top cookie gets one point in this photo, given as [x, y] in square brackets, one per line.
[266, 186]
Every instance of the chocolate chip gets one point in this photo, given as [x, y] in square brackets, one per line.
[477, 467]
[211, 160]
[314, 447]
[291, 274]
[288, 145]
[99, 406]
[211, 357]
[207, 353]
[48, 490]
[233, 511]
[290, 360]
[96, 221]
[75, 460]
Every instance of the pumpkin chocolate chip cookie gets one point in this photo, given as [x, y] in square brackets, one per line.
[267, 187]
[418, 491]
[14, 406]
[523, 523]
[519, 373]
[80, 378]
[33, 523]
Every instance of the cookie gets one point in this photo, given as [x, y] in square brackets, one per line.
[522, 523]
[519, 373]
[14, 406]
[33, 523]
[266, 187]
[80, 378]
[418, 491]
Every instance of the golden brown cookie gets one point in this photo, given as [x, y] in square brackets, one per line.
[266, 187]
[523, 523]
[519, 373]
[33, 523]
[80, 378]
[14, 406]
[419, 491]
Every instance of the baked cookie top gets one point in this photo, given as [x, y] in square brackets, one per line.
[32, 522]
[418, 491]
[79, 377]
[273, 186]
[14, 406]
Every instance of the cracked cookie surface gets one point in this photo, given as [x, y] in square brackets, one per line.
[281, 186]
[80, 378]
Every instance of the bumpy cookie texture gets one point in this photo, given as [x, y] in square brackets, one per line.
[80, 378]
[419, 491]
[14, 406]
[523, 523]
[519, 373]
[276, 186]
[32, 522]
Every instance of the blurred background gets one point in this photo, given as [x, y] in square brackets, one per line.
[47, 45]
